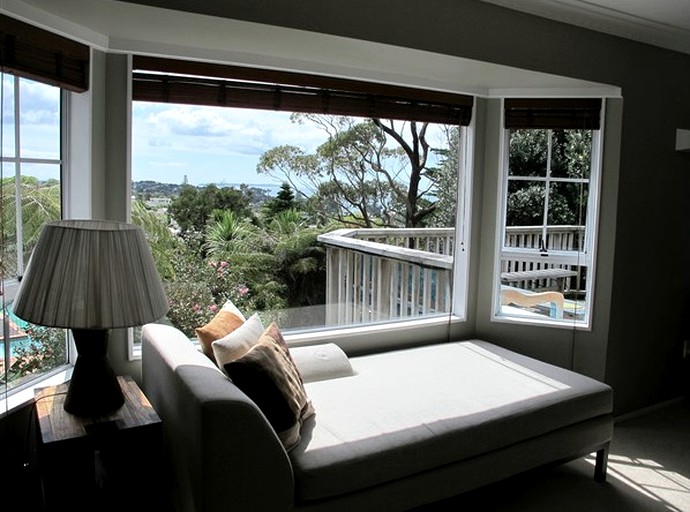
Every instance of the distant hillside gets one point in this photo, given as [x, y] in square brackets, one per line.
[148, 190]
[155, 189]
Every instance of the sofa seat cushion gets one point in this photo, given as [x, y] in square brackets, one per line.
[413, 410]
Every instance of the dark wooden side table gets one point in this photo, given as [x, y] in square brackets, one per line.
[112, 462]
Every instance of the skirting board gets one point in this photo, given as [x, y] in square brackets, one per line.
[648, 409]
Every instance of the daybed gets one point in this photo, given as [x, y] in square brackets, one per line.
[391, 431]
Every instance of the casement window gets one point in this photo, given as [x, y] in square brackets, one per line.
[376, 227]
[551, 163]
[38, 68]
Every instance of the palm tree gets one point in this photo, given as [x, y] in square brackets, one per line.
[228, 234]
[40, 203]
[234, 239]
[300, 260]
[165, 245]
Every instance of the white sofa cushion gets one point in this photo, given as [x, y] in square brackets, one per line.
[409, 411]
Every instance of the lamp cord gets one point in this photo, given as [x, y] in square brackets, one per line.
[3, 298]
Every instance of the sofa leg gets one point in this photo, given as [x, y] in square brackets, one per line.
[601, 464]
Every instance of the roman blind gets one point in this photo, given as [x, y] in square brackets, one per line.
[553, 113]
[34, 53]
[198, 83]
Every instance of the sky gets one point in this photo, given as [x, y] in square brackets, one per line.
[210, 144]
[170, 142]
[39, 135]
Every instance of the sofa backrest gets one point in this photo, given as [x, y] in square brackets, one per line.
[218, 443]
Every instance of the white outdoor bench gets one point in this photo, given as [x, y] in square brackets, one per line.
[557, 274]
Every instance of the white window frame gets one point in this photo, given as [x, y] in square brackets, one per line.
[23, 393]
[586, 257]
[350, 337]
[463, 221]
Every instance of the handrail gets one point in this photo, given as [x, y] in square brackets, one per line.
[377, 275]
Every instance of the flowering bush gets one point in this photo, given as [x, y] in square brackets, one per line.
[201, 287]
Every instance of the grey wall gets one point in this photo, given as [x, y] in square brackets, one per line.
[642, 276]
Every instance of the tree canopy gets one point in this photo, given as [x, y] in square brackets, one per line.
[193, 207]
[570, 157]
[367, 173]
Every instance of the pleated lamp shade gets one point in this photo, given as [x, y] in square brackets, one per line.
[91, 274]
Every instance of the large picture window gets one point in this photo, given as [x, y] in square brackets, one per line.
[317, 206]
[549, 202]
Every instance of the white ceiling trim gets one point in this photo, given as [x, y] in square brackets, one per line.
[621, 21]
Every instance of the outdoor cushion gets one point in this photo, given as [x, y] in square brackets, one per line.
[413, 410]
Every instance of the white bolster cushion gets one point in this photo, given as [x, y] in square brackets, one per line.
[321, 362]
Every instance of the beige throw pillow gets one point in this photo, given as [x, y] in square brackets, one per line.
[223, 323]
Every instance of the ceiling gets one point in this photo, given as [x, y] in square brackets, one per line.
[664, 23]
[138, 27]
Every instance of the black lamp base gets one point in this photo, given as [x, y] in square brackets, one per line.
[94, 389]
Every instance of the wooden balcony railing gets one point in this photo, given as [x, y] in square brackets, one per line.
[543, 274]
[382, 274]
[396, 273]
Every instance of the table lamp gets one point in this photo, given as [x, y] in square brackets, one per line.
[91, 276]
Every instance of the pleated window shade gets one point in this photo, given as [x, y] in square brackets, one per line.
[197, 83]
[88, 274]
[553, 113]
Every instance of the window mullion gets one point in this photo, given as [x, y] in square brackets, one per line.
[19, 217]
[547, 189]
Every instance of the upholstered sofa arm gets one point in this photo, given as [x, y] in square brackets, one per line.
[225, 454]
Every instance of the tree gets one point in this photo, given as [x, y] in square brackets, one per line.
[367, 173]
[192, 208]
[230, 234]
[570, 158]
[40, 203]
[300, 261]
[165, 245]
[284, 200]
[446, 174]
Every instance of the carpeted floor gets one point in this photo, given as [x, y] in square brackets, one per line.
[649, 471]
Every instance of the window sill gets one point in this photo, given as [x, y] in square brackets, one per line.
[375, 337]
[16, 399]
[367, 337]
[518, 317]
